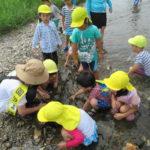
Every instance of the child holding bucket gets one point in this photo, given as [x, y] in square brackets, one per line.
[77, 126]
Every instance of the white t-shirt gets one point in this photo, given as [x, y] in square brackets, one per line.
[7, 88]
[86, 125]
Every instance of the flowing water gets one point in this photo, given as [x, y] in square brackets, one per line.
[123, 23]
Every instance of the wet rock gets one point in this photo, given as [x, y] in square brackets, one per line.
[146, 148]
[148, 142]
[20, 124]
[130, 146]
[8, 145]
[148, 98]
[5, 138]
[140, 143]
[65, 74]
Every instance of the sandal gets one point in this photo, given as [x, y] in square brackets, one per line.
[92, 112]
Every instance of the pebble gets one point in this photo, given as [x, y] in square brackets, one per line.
[37, 133]
[8, 145]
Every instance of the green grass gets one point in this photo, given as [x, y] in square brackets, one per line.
[16, 13]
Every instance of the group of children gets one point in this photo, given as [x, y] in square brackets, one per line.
[115, 92]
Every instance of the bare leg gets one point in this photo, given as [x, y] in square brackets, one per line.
[124, 109]
[67, 59]
[80, 68]
[94, 103]
[96, 74]
[67, 41]
[102, 32]
[86, 105]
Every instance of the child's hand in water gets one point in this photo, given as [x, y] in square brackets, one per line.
[62, 145]
[72, 97]
[119, 116]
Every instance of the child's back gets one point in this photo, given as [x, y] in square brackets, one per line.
[143, 58]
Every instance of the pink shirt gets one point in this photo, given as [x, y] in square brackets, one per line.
[132, 99]
[78, 138]
[96, 93]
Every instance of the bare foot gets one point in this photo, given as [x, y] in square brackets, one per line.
[65, 65]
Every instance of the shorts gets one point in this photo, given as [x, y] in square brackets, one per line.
[52, 56]
[135, 2]
[91, 66]
[103, 104]
[140, 71]
[68, 31]
[56, 21]
[99, 19]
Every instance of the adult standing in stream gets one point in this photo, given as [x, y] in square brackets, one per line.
[97, 12]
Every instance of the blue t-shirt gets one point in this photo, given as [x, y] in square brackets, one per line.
[86, 43]
[98, 6]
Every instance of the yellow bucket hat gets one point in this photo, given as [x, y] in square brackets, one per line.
[66, 115]
[78, 17]
[119, 80]
[44, 9]
[50, 66]
[139, 41]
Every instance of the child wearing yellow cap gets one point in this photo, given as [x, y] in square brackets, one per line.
[47, 34]
[142, 60]
[99, 95]
[55, 14]
[86, 40]
[125, 99]
[77, 126]
[52, 69]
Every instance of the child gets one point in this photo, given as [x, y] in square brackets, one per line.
[66, 21]
[97, 11]
[55, 11]
[51, 67]
[136, 2]
[83, 40]
[47, 34]
[142, 61]
[18, 92]
[77, 126]
[125, 100]
[69, 56]
[99, 96]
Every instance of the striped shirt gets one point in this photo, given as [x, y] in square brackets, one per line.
[67, 14]
[143, 58]
[48, 37]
